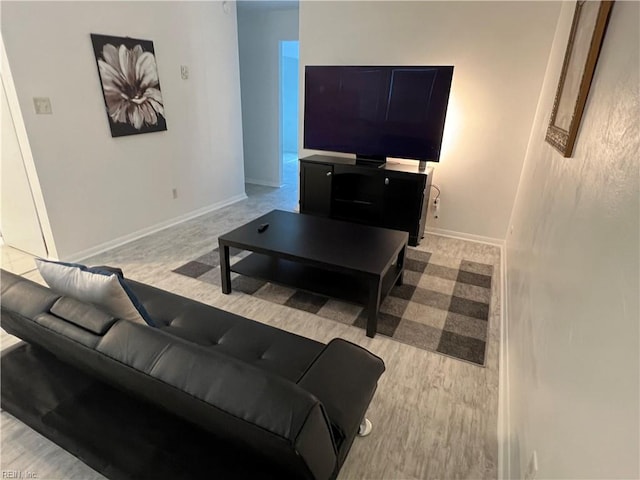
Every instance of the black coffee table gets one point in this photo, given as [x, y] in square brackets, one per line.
[339, 259]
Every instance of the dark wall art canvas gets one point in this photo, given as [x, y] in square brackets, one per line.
[130, 85]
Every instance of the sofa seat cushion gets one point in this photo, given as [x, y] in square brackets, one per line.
[268, 348]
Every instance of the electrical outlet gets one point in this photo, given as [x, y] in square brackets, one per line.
[175, 193]
[532, 467]
[42, 105]
[184, 72]
[436, 208]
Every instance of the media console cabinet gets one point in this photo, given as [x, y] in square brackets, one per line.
[395, 195]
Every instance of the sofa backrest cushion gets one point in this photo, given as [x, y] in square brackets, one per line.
[102, 288]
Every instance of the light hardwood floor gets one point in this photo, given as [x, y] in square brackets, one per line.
[434, 417]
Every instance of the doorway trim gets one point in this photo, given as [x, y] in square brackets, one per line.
[6, 78]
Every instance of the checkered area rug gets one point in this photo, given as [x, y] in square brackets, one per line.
[443, 305]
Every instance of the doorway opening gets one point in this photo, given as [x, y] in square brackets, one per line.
[289, 56]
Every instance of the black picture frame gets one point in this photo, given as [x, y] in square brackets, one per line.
[130, 84]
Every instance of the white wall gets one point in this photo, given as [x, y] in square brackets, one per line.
[260, 30]
[499, 50]
[573, 269]
[99, 189]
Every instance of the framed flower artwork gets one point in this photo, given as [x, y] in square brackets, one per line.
[130, 84]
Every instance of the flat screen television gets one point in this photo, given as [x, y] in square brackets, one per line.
[377, 112]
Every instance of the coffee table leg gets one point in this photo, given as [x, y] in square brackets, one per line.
[373, 307]
[401, 265]
[225, 269]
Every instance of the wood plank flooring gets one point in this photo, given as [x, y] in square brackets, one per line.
[433, 417]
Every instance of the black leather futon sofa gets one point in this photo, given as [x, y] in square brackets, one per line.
[290, 402]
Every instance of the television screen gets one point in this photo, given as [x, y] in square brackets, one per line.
[377, 111]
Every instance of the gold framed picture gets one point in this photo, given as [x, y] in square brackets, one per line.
[585, 40]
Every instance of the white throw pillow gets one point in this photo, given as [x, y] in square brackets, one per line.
[102, 288]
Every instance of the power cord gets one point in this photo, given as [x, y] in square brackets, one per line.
[438, 189]
[436, 203]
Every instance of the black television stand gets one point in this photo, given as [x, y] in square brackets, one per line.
[392, 194]
[376, 161]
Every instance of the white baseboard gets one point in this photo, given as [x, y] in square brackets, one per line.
[504, 417]
[264, 183]
[465, 236]
[117, 242]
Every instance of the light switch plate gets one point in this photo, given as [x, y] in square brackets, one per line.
[42, 105]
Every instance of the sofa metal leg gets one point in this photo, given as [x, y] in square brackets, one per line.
[365, 428]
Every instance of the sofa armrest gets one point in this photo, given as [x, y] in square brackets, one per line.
[343, 377]
[24, 296]
[227, 396]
